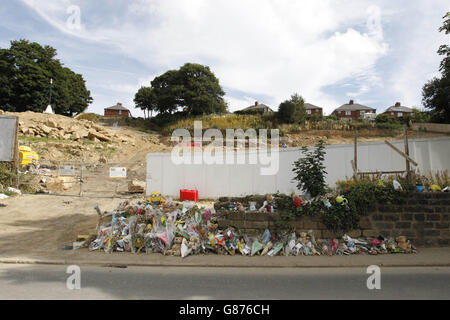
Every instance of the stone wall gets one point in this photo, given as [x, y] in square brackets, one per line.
[432, 127]
[424, 218]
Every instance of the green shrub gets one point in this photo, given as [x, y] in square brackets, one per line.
[315, 117]
[389, 125]
[292, 111]
[340, 217]
[310, 171]
[7, 175]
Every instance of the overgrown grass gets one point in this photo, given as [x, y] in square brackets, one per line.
[29, 139]
[89, 116]
[222, 123]
[7, 175]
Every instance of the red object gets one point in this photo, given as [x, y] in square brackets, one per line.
[188, 195]
[297, 202]
[375, 242]
[334, 245]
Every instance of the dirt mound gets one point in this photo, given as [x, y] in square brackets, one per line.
[57, 137]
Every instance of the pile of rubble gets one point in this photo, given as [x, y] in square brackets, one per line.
[68, 129]
[181, 229]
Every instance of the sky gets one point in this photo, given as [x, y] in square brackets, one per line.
[373, 52]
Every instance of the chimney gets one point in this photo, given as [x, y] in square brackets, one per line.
[398, 104]
[256, 103]
[351, 102]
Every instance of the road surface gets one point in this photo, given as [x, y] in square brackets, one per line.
[49, 282]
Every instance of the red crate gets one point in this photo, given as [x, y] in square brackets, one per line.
[188, 195]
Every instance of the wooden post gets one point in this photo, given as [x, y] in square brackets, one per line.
[16, 157]
[355, 155]
[408, 166]
[404, 155]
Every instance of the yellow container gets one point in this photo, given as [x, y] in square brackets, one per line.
[27, 156]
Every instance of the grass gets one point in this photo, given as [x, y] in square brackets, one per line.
[7, 175]
[89, 116]
[222, 123]
[41, 139]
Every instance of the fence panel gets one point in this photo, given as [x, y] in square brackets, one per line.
[213, 181]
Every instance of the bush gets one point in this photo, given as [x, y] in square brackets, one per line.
[389, 125]
[310, 171]
[383, 118]
[293, 110]
[340, 217]
[421, 116]
[7, 175]
[332, 117]
[365, 194]
[315, 117]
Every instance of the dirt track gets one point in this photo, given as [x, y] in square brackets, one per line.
[40, 225]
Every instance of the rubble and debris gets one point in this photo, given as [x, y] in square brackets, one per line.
[183, 229]
[136, 186]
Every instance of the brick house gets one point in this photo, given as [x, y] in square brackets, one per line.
[312, 109]
[353, 111]
[398, 111]
[117, 111]
[258, 107]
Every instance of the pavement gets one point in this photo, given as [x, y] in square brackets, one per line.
[50, 282]
[426, 257]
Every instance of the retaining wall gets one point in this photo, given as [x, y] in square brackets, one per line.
[424, 218]
[432, 127]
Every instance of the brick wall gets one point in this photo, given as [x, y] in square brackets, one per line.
[423, 218]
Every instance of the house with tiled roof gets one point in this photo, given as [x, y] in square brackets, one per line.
[353, 111]
[398, 111]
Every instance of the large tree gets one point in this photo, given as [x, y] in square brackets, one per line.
[193, 86]
[293, 110]
[436, 92]
[145, 99]
[25, 72]
[202, 93]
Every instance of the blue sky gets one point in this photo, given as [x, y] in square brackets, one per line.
[374, 52]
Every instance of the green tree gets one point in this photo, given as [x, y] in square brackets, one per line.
[436, 92]
[145, 99]
[420, 116]
[193, 87]
[25, 72]
[293, 110]
[168, 91]
[310, 171]
[202, 93]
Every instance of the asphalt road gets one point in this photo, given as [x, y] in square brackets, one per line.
[49, 282]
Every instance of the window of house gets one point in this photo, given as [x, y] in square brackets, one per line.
[362, 113]
[308, 111]
[392, 113]
[348, 113]
[400, 114]
[120, 112]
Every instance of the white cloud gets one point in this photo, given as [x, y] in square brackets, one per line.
[260, 47]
